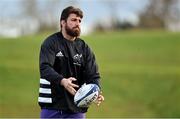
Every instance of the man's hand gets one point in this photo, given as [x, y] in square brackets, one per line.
[68, 85]
[100, 99]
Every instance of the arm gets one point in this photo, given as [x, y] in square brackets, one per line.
[46, 61]
[92, 73]
[91, 68]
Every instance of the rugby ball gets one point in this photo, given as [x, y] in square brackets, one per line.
[86, 95]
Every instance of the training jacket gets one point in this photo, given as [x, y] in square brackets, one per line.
[61, 58]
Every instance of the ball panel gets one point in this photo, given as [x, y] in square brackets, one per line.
[82, 92]
[88, 100]
[86, 95]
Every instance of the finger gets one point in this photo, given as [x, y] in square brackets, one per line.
[72, 91]
[98, 103]
[72, 79]
[101, 98]
[74, 85]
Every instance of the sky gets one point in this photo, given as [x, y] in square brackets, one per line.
[101, 8]
[93, 9]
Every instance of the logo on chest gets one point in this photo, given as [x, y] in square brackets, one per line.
[59, 54]
[77, 59]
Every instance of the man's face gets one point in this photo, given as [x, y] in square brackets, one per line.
[72, 25]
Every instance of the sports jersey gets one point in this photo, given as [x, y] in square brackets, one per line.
[61, 58]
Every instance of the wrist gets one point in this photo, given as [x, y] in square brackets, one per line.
[62, 81]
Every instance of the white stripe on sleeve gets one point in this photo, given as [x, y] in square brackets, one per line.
[44, 81]
[45, 90]
[44, 100]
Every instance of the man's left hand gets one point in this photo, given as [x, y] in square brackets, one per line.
[100, 99]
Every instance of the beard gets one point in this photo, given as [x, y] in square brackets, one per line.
[74, 32]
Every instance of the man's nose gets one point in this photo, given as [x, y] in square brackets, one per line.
[78, 23]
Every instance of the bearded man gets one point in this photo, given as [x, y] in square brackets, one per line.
[66, 62]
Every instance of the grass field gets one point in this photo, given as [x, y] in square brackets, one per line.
[140, 74]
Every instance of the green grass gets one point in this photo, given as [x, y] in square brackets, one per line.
[140, 74]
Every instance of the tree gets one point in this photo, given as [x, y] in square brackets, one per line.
[44, 12]
[158, 13]
[48, 15]
[113, 8]
[30, 8]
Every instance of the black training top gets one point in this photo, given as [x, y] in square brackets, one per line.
[61, 58]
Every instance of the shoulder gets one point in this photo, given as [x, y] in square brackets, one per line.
[82, 43]
[85, 47]
[51, 40]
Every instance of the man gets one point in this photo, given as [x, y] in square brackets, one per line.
[66, 63]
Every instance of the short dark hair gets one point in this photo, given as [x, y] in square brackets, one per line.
[70, 10]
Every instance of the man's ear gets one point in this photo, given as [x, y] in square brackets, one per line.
[63, 22]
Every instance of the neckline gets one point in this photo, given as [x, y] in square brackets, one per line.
[66, 40]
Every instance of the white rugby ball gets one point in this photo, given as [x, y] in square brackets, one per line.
[87, 94]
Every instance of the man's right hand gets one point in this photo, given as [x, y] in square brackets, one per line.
[68, 85]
